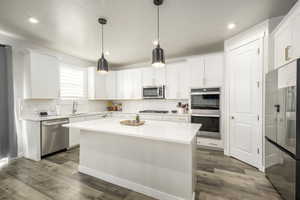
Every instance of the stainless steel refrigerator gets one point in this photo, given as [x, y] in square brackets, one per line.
[282, 130]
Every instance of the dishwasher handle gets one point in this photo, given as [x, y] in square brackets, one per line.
[54, 123]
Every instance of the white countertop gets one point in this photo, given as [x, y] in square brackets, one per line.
[175, 132]
[38, 118]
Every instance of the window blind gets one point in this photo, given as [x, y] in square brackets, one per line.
[72, 82]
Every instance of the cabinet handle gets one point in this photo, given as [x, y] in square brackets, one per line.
[232, 117]
[286, 53]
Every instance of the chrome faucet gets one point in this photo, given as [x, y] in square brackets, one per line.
[74, 107]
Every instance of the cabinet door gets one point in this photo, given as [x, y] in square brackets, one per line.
[44, 74]
[197, 72]
[159, 76]
[110, 83]
[213, 70]
[120, 84]
[147, 76]
[283, 45]
[172, 82]
[100, 86]
[177, 81]
[296, 36]
[184, 80]
[136, 79]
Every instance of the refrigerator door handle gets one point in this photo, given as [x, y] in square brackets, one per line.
[277, 106]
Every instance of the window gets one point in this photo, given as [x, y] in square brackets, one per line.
[73, 81]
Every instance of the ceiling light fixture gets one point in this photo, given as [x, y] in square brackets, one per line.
[102, 62]
[158, 55]
[231, 26]
[33, 20]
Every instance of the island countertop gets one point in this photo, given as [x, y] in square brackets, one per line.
[182, 133]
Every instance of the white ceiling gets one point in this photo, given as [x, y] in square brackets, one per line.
[188, 27]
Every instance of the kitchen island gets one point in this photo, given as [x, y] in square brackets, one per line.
[156, 159]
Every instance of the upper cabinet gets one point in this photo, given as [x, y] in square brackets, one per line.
[41, 76]
[96, 84]
[197, 68]
[287, 38]
[129, 84]
[152, 76]
[207, 71]
[283, 45]
[213, 70]
[177, 80]
[123, 84]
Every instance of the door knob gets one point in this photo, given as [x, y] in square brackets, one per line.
[232, 117]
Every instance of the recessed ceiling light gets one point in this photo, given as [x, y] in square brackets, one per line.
[33, 20]
[231, 26]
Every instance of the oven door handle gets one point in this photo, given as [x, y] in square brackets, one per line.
[204, 93]
[203, 115]
[54, 123]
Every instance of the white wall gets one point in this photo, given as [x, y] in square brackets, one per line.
[155, 104]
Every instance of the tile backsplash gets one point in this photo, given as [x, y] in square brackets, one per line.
[133, 106]
[33, 107]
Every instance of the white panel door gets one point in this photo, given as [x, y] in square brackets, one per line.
[245, 94]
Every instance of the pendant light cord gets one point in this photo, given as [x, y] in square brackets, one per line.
[102, 38]
[158, 39]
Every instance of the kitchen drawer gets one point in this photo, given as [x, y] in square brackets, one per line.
[151, 117]
[176, 118]
[210, 143]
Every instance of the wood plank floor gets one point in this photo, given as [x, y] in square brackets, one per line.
[56, 178]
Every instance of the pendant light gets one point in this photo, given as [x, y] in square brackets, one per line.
[102, 66]
[158, 55]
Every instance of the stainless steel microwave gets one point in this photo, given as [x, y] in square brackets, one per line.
[154, 92]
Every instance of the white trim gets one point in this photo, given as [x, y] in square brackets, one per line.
[258, 32]
[130, 185]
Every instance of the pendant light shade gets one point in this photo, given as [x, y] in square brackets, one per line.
[102, 66]
[158, 55]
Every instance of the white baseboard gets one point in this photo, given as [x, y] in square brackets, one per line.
[130, 185]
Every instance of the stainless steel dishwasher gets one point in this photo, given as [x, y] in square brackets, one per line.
[54, 137]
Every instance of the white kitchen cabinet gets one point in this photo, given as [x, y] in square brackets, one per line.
[213, 70]
[287, 38]
[120, 84]
[74, 134]
[136, 80]
[197, 72]
[110, 85]
[41, 78]
[153, 76]
[296, 34]
[177, 81]
[96, 84]
[207, 70]
[129, 84]
[283, 45]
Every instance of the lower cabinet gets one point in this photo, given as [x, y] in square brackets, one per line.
[74, 134]
[206, 142]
